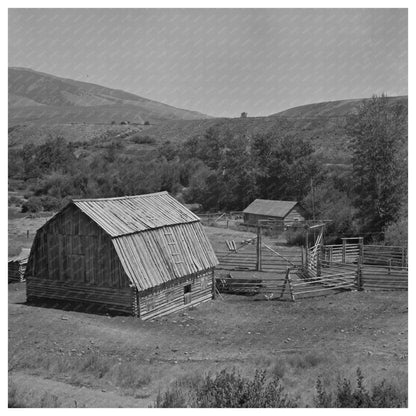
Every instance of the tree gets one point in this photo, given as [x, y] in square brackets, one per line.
[379, 142]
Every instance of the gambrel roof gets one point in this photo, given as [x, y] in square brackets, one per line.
[130, 214]
[157, 239]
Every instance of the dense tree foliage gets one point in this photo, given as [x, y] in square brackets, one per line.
[225, 170]
[379, 146]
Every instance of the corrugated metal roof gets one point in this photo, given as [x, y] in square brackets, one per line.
[163, 254]
[270, 208]
[131, 214]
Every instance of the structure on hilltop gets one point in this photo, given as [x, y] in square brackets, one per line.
[146, 255]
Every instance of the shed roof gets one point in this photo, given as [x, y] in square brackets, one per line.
[270, 208]
[160, 255]
[131, 214]
[23, 255]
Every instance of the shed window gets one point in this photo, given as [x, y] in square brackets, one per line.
[187, 294]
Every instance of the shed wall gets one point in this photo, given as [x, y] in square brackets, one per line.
[252, 219]
[172, 298]
[296, 214]
[17, 271]
[117, 300]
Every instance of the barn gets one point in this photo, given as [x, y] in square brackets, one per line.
[145, 255]
[288, 212]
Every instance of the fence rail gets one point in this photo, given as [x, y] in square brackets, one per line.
[393, 255]
[384, 278]
[246, 258]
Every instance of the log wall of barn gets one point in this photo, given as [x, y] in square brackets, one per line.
[180, 294]
[71, 251]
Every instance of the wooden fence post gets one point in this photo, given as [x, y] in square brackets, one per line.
[285, 283]
[258, 265]
[292, 295]
[361, 250]
[318, 262]
[214, 287]
[344, 249]
[359, 277]
[306, 248]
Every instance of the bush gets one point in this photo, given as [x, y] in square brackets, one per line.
[228, 390]
[309, 360]
[382, 395]
[142, 139]
[146, 123]
[396, 234]
[175, 398]
[14, 200]
[33, 204]
[50, 203]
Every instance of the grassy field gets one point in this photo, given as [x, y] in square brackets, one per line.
[63, 358]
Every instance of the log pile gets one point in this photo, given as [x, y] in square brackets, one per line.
[17, 266]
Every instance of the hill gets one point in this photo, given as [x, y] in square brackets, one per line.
[330, 109]
[36, 97]
[322, 124]
[42, 106]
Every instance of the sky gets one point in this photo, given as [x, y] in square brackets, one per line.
[220, 62]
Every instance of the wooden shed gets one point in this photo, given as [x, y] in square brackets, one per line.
[288, 212]
[146, 255]
[17, 266]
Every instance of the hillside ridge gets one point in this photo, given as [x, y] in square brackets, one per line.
[40, 97]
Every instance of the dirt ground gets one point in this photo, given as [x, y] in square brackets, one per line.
[89, 359]
[65, 358]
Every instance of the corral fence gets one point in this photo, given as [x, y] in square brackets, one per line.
[366, 254]
[288, 286]
[378, 267]
[317, 270]
[272, 259]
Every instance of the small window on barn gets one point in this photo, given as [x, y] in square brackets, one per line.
[187, 294]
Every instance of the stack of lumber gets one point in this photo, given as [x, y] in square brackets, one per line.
[17, 266]
[270, 287]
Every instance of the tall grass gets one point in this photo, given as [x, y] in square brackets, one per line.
[382, 395]
[126, 374]
[228, 389]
